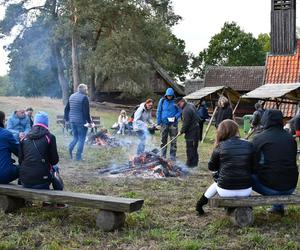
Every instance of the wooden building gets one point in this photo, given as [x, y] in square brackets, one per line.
[283, 63]
[158, 82]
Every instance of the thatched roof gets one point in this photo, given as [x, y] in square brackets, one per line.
[164, 74]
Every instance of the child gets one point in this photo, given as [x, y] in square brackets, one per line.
[122, 121]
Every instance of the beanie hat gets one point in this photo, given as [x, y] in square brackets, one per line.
[41, 118]
[170, 92]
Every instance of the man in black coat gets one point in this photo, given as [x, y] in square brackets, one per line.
[276, 171]
[190, 127]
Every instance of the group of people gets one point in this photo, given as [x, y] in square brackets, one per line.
[35, 150]
[266, 165]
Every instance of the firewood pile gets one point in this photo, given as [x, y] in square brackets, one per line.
[148, 165]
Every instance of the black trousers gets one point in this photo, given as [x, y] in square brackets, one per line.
[192, 142]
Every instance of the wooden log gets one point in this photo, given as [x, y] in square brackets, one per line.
[109, 221]
[254, 201]
[78, 199]
[242, 216]
[10, 204]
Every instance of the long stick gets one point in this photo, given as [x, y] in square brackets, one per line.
[209, 124]
[168, 143]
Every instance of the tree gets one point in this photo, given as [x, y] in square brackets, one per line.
[231, 47]
[92, 41]
[265, 41]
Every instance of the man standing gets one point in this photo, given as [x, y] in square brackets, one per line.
[18, 124]
[167, 116]
[77, 112]
[256, 118]
[276, 171]
[29, 113]
[190, 127]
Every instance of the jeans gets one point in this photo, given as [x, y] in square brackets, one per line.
[57, 185]
[142, 135]
[9, 174]
[258, 187]
[79, 135]
[166, 131]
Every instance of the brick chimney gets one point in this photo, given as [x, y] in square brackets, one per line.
[283, 27]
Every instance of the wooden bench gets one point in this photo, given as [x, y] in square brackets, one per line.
[60, 120]
[97, 122]
[240, 209]
[112, 209]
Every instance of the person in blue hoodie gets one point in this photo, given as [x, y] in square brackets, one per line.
[8, 145]
[167, 116]
[18, 124]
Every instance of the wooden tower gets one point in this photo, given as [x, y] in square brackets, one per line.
[283, 27]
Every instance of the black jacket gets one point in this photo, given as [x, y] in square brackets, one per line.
[223, 114]
[38, 152]
[190, 119]
[256, 118]
[276, 152]
[233, 159]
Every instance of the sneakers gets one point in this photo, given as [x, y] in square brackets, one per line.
[273, 210]
[51, 205]
[60, 206]
[119, 132]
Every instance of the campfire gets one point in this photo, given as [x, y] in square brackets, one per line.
[148, 165]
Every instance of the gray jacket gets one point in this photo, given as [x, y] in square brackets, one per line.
[142, 118]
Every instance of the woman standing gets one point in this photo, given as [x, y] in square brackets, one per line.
[232, 159]
[224, 111]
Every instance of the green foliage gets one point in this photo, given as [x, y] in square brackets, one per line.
[116, 42]
[231, 47]
[4, 85]
[265, 41]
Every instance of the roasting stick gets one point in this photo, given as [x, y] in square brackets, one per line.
[169, 143]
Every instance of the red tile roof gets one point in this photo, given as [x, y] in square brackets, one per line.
[283, 69]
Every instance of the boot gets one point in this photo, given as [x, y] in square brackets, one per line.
[200, 203]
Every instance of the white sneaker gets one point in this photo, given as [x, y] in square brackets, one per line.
[119, 132]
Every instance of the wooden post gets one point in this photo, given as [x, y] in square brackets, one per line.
[10, 204]
[241, 216]
[109, 220]
[236, 106]
[209, 124]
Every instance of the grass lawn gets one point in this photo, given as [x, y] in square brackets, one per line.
[167, 220]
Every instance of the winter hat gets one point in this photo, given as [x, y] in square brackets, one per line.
[41, 118]
[170, 92]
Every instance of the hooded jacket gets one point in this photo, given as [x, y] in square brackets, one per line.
[8, 145]
[276, 152]
[142, 117]
[38, 152]
[167, 109]
[16, 124]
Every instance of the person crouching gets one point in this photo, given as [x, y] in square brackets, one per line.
[38, 157]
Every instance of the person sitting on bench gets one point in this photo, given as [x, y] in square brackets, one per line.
[233, 159]
[276, 171]
[8, 145]
[122, 122]
[38, 157]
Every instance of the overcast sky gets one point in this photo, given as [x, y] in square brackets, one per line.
[204, 18]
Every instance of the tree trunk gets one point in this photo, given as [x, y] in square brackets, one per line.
[61, 76]
[75, 63]
[93, 85]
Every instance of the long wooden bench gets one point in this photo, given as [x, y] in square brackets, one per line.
[112, 209]
[240, 209]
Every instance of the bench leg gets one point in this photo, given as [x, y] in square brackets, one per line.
[109, 220]
[241, 216]
[10, 204]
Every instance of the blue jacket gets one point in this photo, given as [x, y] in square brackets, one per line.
[203, 112]
[167, 109]
[16, 125]
[8, 145]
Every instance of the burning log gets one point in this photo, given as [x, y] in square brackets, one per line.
[149, 162]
